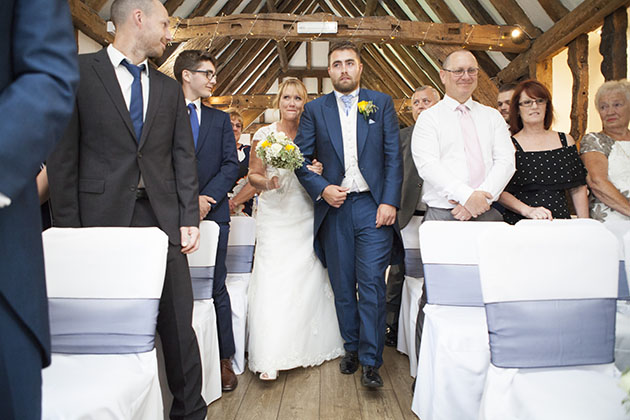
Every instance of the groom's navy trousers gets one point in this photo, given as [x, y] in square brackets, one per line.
[349, 234]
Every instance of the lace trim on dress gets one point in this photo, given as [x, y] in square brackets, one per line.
[596, 142]
[291, 362]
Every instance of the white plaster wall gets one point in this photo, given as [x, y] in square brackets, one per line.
[87, 44]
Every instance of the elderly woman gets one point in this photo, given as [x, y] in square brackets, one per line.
[607, 154]
[547, 162]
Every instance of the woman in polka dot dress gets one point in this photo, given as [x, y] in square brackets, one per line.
[547, 162]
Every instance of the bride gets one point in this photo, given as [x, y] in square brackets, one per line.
[292, 320]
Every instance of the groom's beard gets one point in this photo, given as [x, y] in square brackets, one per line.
[346, 87]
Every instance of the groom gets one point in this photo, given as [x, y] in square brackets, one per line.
[356, 199]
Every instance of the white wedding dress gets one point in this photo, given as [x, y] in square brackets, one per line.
[292, 319]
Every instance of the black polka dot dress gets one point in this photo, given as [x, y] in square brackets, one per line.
[542, 177]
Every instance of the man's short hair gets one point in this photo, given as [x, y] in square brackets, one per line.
[190, 60]
[506, 87]
[448, 57]
[343, 45]
[433, 90]
[120, 9]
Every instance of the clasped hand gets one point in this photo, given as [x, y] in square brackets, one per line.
[475, 206]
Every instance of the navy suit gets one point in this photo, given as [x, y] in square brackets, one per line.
[217, 168]
[346, 239]
[38, 78]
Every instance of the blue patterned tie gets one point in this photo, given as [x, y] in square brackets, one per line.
[347, 101]
[194, 121]
[135, 104]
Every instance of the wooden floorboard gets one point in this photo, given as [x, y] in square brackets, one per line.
[321, 393]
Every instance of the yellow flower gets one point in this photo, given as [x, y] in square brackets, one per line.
[289, 147]
[366, 108]
[362, 106]
[265, 144]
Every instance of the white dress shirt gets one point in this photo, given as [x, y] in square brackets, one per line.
[197, 103]
[353, 179]
[4, 201]
[437, 147]
[125, 79]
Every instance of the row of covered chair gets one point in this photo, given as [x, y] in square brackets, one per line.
[520, 321]
[104, 286]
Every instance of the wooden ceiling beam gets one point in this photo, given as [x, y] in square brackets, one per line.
[370, 7]
[228, 8]
[233, 65]
[263, 84]
[213, 46]
[417, 10]
[202, 8]
[554, 8]
[411, 76]
[253, 5]
[282, 53]
[172, 5]
[417, 60]
[90, 23]
[514, 15]
[244, 66]
[478, 12]
[583, 19]
[96, 5]
[613, 45]
[368, 29]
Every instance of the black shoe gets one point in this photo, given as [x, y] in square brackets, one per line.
[391, 337]
[350, 363]
[370, 377]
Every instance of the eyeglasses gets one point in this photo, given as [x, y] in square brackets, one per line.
[209, 73]
[460, 72]
[528, 102]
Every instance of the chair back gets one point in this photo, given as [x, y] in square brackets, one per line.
[411, 242]
[449, 255]
[240, 253]
[201, 262]
[546, 306]
[620, 229]
[104, 286]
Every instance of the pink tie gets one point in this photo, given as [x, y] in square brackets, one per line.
[474, 160]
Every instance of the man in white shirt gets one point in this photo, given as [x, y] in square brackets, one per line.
[462, 149]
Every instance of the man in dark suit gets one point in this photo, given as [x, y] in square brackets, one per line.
[128, 159]
[410, 204]
[38, 79]
[217, 167]
[354, 133]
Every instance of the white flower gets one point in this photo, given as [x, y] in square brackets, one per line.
[275, 149]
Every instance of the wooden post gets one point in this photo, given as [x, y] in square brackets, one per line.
[578, 63]
[613, 45]
[543, 72]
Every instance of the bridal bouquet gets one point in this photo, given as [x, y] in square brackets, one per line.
[278, 151]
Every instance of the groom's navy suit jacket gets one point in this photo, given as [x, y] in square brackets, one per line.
[378, 151]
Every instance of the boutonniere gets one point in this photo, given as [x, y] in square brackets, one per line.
[367, 108]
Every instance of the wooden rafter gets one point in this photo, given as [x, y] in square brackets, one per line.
[282, 52]
[478, 12]
[513, 14]
[95, 5]
[417, 10]
[613, 46]
[172, 5]
[202, 8]
[370, 7]
[238, 65]
[554, 8]
[87, 21]
[578, 63]
[368, 29]
[213, 46]
[583, 19]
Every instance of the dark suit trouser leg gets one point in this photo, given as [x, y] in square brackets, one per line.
[174, 324]
[20, 368]
[221, 297]
[357, 255]
[395, 280]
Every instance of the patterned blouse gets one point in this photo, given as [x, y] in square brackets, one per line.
[618, 155]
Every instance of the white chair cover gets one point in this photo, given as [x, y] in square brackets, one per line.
[454, 353]
[204, 316]
[103, 264]
[411, 294]
[242, 237]
[534, 265]
[622, 326]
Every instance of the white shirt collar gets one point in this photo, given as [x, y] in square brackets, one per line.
[115, 56]
[197, 103]
[452, 104]
[354, 94]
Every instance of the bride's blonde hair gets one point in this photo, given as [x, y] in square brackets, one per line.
[290, 82]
